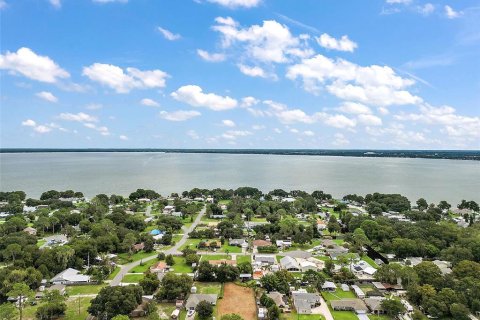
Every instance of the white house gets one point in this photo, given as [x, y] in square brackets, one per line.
[70, 276]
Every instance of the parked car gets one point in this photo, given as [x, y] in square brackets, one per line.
[190, 313]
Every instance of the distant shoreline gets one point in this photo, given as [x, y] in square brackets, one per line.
[368, 153]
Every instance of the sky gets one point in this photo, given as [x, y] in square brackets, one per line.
[321, 74]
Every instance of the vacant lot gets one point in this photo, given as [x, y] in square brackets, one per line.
[230, 302]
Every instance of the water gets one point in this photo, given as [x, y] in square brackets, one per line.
[122, 173]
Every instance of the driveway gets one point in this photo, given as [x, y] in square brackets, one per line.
[323, 310]
[124, 269]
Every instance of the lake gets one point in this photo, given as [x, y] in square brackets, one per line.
[124, 172]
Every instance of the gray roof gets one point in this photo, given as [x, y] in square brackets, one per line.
[329, 285]
[311, 298]
[266, 259]
[289, 263]
[374, 303]
[277, 297]
[348, 304]
[195, 298]
[70, 275]
[298, 254]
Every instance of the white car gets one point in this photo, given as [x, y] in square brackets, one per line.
[190, 313]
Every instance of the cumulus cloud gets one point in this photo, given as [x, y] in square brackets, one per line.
[342, 44]
[211, 57]
[308, 133]
[123, 137]
[354, 108]
[339, 121]
[270, 42]
[194, 96]
[78, 117]
[451, 13]
[101, 129]
[179, 115]
[233, 4]
[234, 134]
[57, 4]
[340, 140]
[369, 120]
[149, 102]
[249, 101]
[193, 134]
[253, 71]
[36, 127]
[375, 85]
[168, 34]
[426, 9]
[48, 96]
[228, 123]
[94, 106]
[33, 66]
[123, 81]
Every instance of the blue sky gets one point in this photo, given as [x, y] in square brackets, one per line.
[389, 74]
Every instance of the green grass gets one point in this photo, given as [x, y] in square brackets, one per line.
[323, 258]
[379, 317]
[297, 246]
[114, 273]
[344, 315]
[124, 258]
[41, 242]
[208, 287]
[294, 316]
[84, 289]
[210, 257]
[241, 259]
[133, 278]
[227, 202]
[337, 295]
[143, 268]
[230, 249]
[180, 266]
[339, 241]
[370, 261]
[192, 243]
[166, 308]
[255, 219]
[73, 309]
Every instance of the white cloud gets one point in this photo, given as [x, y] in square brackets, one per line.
[451, 13]
[248, 102]
[426, 9]
[168, 34]
[123, 137]
[375, 85]
[193, 134]
[233, 4]
[211, 57]
[124, 81]
[33, 66]
[149, 102]
[339, 121]
[29, 123]
[56, 3]
[79, 117]
[369, 120]
[258, 127]
[254, 71]
[48, 96]
[179, 115]
[3, 4]
[309, 133]
[234, 134]
[278, 131]
[110, 1]
[342, 44]
[194, 96]
[102, 129]
[354, 108]
[228, 123]
[94, 106]
[270, 42]
[340, 140]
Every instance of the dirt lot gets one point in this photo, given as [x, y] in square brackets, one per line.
[239, 300]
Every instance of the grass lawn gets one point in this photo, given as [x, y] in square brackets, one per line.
[74, 312]
[180, 266]
[114, 273]
[165, 310]
[132, 278]
[297, 246]
[230, 249]
[84, 289]
[339, 241]
[41, 242]
[188, 221]
[323, 258]
[241, 259]
[123, 257]
[344, 315]
[337, 295]
[255, 219]
[294, 316]
[379, 317]
[227, 202]
[143, 268]
[370, 261]
[192, 243]
[210, 257]
[208, 287]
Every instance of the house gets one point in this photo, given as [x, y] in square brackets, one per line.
[168, 209]
[345, 287]
[356, 305]
[238, 243]
[264, 259]
[261, 243]
[413, 261]
[59, 287]
[329, 286]
[375, 304]
[218, 216]
[290, 264]
[444, 266]
[321, 225]
[358, 292]
[262, 313]
[195, 298]
[70, 276]
[138, 246]
[144, 200]
[298, 254]
[160, 267]
[283, 243]
[177, 214]
[223, 207]
[156, 232]
[245, 276]
[304, 301]
[280, 299]
[31, 231]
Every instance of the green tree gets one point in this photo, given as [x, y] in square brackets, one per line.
[149, 283]
[393, 307]
[422, 204]
[23, 293]
[53, 307]
[169, 260]
[174, 286]
[121, 317]
[112, 301]
[459, 311]
[231, 316]
[204, 309]
[428, 273]
[9, 312]
[333, 225]
[273, 312]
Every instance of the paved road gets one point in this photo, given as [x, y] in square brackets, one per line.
[124, 269]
